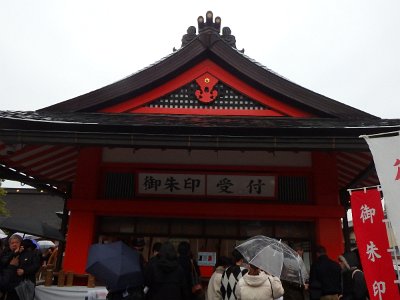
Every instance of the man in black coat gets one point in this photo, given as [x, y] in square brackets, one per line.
[325, 277]
[8, 273]
[29, 263]
[165, 277]
[354, 286]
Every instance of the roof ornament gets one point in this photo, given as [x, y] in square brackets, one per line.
[209, 26]
[228, 37]
[189, 36]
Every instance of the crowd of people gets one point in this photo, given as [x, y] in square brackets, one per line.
[173, 273]
[170, 272]
[331, 280]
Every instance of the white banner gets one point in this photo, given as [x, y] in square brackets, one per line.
[386, 153]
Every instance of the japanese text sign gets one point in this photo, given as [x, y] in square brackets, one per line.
[220, 185]
[372, 242]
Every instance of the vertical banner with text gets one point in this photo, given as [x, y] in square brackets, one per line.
[386, 153]
[372, 242]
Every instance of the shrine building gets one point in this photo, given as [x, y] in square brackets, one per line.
[205, 145]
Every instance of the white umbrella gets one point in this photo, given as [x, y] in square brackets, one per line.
[45, 244]
[27, 236]
[2, 234]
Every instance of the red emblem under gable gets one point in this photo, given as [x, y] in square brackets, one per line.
[213, 101]
[207, 93]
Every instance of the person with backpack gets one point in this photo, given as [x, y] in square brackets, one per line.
[354, 286]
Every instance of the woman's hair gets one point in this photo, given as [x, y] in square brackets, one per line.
[253, 270]
[253, 266]
[236, 255]
[15, 237]
[223, 261]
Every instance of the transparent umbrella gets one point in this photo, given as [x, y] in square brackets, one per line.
[274, 257]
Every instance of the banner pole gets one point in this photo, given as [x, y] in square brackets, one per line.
[392, 248]
[391, 133]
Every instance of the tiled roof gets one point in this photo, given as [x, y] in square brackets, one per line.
[46, 145]
[184, 123]
[209, 45]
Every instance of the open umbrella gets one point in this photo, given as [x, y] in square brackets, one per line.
[44, 245]
[32, 226]
[3, 235]
[116, 265]
[27, 236]
[274, 257]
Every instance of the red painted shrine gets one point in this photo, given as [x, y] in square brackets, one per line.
[205, 145]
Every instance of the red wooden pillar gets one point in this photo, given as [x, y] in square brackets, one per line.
[81, 225]
[325, 186]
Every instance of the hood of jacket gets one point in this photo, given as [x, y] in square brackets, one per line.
[255, 280]
[167, 265]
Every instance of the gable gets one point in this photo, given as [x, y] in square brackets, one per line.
[281, 97]
[207, 89]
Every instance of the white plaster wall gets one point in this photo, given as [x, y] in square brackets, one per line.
[207, 157]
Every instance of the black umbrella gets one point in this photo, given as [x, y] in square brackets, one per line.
[25, 290]
[116, 265]
[32, 226]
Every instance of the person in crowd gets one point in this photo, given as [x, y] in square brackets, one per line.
[165, 277]
[354, 286]
[188, 264]
[257, 285]
[13, 248]
[8, 273]
[29, 263]
[325, 277]
[155, 251]
[214, 284]
[152, 260]
[138, 244]
[46, 254]
[295, 290]
[231, 276]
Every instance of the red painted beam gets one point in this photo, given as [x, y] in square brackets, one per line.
[206, 210]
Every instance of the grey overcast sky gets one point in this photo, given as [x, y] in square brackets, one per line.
[53, 50]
